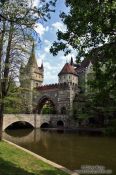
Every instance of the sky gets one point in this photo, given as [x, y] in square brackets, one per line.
[47, 32]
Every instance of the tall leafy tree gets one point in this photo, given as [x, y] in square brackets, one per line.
[90, 24]
[91, 31]
[17, 23]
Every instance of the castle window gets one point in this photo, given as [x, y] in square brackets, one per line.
[63, 110]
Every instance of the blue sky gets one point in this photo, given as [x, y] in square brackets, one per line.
[47, 32]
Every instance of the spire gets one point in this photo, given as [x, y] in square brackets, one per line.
[32, 60]
[42, 67]
[71, 61]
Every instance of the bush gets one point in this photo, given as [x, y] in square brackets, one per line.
[111, 129]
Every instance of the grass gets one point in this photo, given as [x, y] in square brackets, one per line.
[14, 161]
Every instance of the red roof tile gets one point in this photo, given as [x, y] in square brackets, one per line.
[52, 86]
[67, 69]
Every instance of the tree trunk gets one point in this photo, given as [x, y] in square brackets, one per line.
[4, 78]
[1, 119]
[1, 78]
[7, 63]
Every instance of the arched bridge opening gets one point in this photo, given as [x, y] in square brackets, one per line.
[19, 125]
[45, 125]
[46, 106]
[60, 124]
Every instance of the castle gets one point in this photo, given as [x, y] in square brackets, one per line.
[72, 81]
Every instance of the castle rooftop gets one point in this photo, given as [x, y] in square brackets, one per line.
[67, 69]
[52, 86]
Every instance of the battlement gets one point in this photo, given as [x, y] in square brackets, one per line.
[52, 86]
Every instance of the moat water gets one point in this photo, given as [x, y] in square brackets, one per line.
[72, 150]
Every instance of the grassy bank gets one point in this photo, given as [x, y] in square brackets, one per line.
[14, 161]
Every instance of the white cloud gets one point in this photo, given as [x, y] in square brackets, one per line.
[50, 78]
[47, 46]
[40, 29]
[47, 42]
[59, 26]
[48, 66]
[40, 58]
[35, 3]
[50, 73]
[46, 49]
[47, 28]
[67, 58]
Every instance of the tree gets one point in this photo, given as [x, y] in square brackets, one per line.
[13, 102]
[17, 22]
[89, 25]
[91, 32]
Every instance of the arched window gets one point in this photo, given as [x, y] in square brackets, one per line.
[63, 110]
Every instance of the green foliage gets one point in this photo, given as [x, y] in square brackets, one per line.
[111, 129]
[89, 24]
[91, 31]
[82, 108]
[48, 109]
[13, 101]
[17, 24]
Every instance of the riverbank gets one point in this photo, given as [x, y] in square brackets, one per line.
[14, 161]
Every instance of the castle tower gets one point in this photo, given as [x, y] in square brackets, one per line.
[68, 75]
[31, 76]
[35, 73]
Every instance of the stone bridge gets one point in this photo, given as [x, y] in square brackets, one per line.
[36, 120]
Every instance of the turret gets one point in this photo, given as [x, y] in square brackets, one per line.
[68, 75]
[32, 73]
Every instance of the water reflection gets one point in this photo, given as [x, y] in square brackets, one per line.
[68, 149]
[19, 133]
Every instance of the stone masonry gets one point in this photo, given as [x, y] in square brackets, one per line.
[36, 120]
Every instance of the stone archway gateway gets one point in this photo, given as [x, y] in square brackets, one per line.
[60, 96]
[46, 106]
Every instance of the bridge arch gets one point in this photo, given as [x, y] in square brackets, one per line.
[36, 120]
[45, 125]
[46, 105]
[19, 125]
[60, 123]
[9, 119]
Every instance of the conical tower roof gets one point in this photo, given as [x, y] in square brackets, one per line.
[32, 60]
[67, 69]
